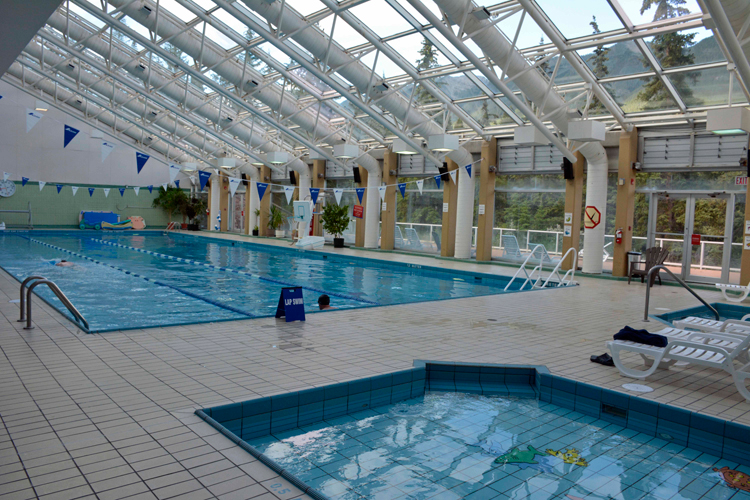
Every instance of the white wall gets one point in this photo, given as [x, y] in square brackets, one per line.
[39, 155]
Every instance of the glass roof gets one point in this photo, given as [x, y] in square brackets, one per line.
[282, 86]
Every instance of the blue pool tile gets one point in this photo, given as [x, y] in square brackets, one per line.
[563, 399]
[737, 432]
[588, 391]
[520, 390]
[644, 406]
[677, 432]
[587, 406]
[564, 385]
[705, 441]
[381, 382]
[358, 402]
[402, 377]
[467, 381]
[335, 407]
[674, 414]
[382, 396]
[284, 401]
[545, 379]
[466, 368]
[256, 407]
[494, 370]
[358, 386]
[642, 422]
[418, 388]
[707, 423]
[282, 420]
[310, 413]
[419, 374]
[545, 394]
[311, 396]
[615, 399]
[234, 426]
[336, 391]
[227, 412]
[256, 426]
[400, 392]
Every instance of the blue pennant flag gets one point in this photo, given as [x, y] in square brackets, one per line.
[204, 176]
[360, 194]
[262, 186]
[24, 180]
[122, 191]
[437, 181]
[468, 169]
[70, 134]
[402, 188]
[151, 189]
[140, 160]
[91, 192]
[314, 194]
[59, 188]
[177, 184]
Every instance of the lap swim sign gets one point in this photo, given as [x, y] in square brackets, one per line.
[291, 305]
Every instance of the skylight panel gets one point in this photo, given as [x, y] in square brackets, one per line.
[575, 22]
[380, 18]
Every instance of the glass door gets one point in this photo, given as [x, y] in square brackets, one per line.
[667, 228]
[710, 243]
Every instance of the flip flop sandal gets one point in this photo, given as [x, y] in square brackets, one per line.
[604, 359]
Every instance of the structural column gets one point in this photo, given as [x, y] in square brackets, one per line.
[214, 205]
[486, 217]
[745, 261]
[574, 207]
[359, 237]
[388, 208]
[224, 202]
[265, 202]
[448, 231]
[625, 201]
[318, 181]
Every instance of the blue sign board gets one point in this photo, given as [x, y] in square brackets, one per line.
[291, 305]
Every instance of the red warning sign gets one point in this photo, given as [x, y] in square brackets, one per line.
[695, 239]
[592, 217]
[358, 211]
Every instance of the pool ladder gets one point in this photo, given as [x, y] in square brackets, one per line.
[26, 301]
[684, 285]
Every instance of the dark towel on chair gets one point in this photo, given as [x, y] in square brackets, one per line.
[642, 337]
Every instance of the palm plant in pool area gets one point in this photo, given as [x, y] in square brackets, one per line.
[335, 220]
[275, 220]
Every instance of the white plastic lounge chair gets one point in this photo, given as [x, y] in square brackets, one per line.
[712, 325]
[743, 291]
[398, 238]
[510, 247]
[700, 348]
[413, 237]
[541, 252]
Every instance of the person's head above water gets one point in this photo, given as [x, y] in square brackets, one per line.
[324, 302]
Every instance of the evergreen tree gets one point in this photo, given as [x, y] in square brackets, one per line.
[599, 66]
[671, 50]
[545, 65]
[428, 59]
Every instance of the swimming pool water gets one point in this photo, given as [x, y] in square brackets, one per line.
[116, 286]
[454, 445]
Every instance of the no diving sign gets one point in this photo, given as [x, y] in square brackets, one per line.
[592, 217]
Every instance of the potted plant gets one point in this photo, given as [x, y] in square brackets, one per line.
[194, 207]
[256, 230]
[275, 221]
[172, 201]
[335, 220]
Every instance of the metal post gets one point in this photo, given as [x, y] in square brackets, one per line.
[23, 298]
[684, 285]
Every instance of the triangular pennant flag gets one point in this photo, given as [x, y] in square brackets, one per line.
[6, 175]
[360, 194]
[32, 118]
[136, 189]
[59, 188]
[420, 185]
[173, 171]
[192, 180]
[106, 192]
[314, 192]
[452, 173]
[437, 181]
[122, 192]
[381, 190]
[107, 148]
[234, 183]
[177, 184]
[402, 188]
[204, 175]
[289, 192]
[261, 187]
[151, 189]
[337, 193]
[91, 192]
[24, 180]
[41, 185]
[70, 134]
[75, 189]
[468, 169]
[165, 185]
[140, 160]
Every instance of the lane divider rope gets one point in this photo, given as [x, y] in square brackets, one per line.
[150, 280]
[236, 271]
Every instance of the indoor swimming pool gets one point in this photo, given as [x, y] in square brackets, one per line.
[140, 280]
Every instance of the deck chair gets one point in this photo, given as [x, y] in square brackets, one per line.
[510, 247]
[706, 349]
[655, 256]
[398, 238]
[743, 291]
[712, 325]
[414, 242]
[436, 237]
[544, 256]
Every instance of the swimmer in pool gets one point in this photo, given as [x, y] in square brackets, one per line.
[65, 263]
[324, 302]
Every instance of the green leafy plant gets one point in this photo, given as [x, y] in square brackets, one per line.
[335, 219]
[275, 218]
[172, 201]
[193, 208]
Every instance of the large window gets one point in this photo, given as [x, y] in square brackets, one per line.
[419, 217]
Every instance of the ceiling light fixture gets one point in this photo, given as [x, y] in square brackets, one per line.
[734, 120]
[529, 135]
[401, 148]
[442, 142]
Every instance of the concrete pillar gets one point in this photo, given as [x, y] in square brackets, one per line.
[448, 231]
[625, 200]
[388, 216]
[265, 203]
[486, 217]
[574, 206]
[318, 181]
[745, 260]
[359, 235]
[224, 202]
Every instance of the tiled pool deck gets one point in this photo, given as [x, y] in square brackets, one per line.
[112, 416]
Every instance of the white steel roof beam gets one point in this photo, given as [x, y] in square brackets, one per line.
[732, 43]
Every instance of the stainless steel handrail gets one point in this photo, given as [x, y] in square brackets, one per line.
[23, 297]
[684, 285]
[60, 295]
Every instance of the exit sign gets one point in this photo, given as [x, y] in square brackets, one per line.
[740, 180]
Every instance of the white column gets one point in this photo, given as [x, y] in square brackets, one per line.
[372, 210]
[213, 202]
[596, 196]
[464, 214]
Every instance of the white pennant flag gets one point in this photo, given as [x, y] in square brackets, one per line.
[381, 190]
[288, 191]
[136, 189]
[75, 189]
[106, 192]
[234, 183]
[6, 175]
[420, 185]
[192, 180]
[32, 118]
[337, 193]
[107, 148]
[453, 175]
[41, 185]
[173, 171]
[164, 186]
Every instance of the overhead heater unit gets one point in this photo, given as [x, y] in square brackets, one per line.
[586, 131]
[529, 135]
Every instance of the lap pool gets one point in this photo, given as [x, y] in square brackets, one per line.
[139, 280]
